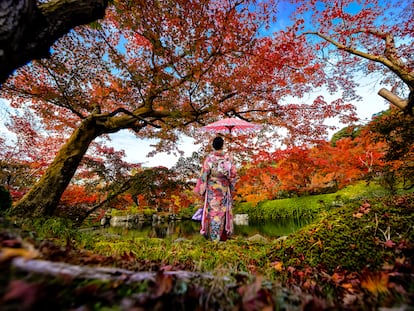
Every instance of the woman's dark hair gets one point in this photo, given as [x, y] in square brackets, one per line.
[218, 143]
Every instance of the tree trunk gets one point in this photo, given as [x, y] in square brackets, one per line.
[28, 29]
[44, 197]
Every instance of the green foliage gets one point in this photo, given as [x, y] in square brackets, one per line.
[354, 237]
[349, 131]
[396, 129]
[5, 200]
[58, 229]
[243, 207]
[361, 190]
[299, 207]
[187, 213]
[133, 210]
[195, 255]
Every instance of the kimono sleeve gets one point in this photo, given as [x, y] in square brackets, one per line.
[233, 177]
[201, 184]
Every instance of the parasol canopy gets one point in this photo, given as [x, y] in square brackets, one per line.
[231, 125]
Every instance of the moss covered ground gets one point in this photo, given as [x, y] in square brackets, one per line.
[353, 256]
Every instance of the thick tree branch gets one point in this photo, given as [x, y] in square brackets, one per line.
[111, 121]
[350, 50]
[390, 60]
[396, 100]
[28, 29]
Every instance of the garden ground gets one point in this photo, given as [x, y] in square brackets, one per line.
[355, 257]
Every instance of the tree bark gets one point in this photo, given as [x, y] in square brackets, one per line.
[28, 29]
[56, 269]
[395, 64]
[394, 99]
[44, 196]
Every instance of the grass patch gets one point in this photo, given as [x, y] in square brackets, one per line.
[309, 207]
[61, 230]
[194, 255]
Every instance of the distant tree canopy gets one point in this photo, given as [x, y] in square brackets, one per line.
[351, 131]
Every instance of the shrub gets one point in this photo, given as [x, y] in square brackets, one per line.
[354, 237]
[133, 210]
[59, 229]
[5, 200]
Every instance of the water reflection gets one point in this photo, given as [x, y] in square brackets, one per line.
[275, 228]
[189, 229]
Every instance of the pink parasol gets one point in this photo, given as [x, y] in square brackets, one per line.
[231, 125]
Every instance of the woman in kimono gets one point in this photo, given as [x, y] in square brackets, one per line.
[217, 180]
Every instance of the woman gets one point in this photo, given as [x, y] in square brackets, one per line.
[217, 180]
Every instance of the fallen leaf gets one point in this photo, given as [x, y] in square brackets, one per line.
[9, 253]
[278, 266]
[337, 277]
[22, 291]
[376, 283]
[347, 286]
[400, 260]
[387, 266]
[389, 244]
[164, 284]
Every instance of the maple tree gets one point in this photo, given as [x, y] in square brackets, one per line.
[319, 168]
[350, 159]
[101, 177]
[156, 186]
[29, 27]
[161, 69]
[257, 182]
[395, 130]
[20, 167]
[363, 38]
[189, 168]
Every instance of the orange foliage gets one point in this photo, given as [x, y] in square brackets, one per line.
[303, 169]
[77, 195]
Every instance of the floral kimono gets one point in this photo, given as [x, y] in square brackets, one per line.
[217, 180]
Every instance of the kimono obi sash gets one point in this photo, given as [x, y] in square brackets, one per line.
[222, 180]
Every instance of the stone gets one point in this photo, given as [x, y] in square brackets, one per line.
[257, 238]
[241, 219]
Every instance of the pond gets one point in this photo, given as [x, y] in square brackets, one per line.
[188, 229]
